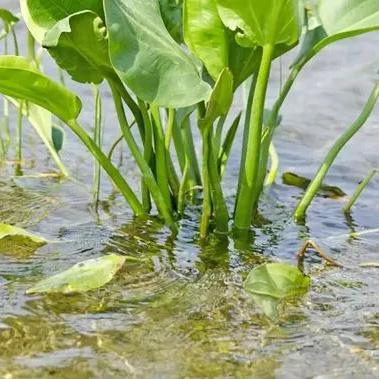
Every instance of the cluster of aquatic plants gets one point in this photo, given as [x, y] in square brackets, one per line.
[172, 66]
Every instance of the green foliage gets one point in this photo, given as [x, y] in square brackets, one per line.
[21, 80]
[271, 283]
[221, 99]
[171, 11]
[41, 16]
[9, 20]
[147, 58]
[79, 45]
[82, 277]
[274, 22]
[336, 20]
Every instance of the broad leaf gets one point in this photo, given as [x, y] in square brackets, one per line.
[21, 80]
[338, 19]
[171, 11]
[13, 231]
[82, 277]
[41, 15]
[271, 283]
[214, 44]
[148, 59]
[221, 99]
[206, 35]
[257, 22]
[79, 45]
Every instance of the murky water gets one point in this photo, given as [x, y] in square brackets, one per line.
[180, 311]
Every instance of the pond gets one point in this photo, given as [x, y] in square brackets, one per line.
[179, 309]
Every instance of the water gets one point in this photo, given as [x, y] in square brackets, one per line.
[180, 310]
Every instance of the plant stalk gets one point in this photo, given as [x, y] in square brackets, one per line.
[333, 152]
[250, 166]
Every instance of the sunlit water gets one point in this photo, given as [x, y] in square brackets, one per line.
[179, 310]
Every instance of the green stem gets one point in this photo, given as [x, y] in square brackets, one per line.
[207, 200]
[160, 200]
[271, 176]
[147, 153]
[246, 134]
[19, 133]
[221, 213]
[333, 152]
[357, 193]
[108, 167]
[161, 157]
[250, 166]
[98, 141]
[191, 153]
[271, 126]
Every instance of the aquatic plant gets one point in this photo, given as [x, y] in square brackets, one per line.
[136, 47]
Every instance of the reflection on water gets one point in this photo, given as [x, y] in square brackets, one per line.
[177, 309]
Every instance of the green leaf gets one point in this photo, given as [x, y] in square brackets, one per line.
[271, 283]
[40, 15]
[82, 277]
[9, 20]
[21, 80]
[13, 231]
[214, 44]
[257, 22]
[221, 99]
[79, 45]
[171, 11]
[206, 35]
[337, 20]
[148, 59]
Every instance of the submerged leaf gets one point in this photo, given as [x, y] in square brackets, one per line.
[82, 277]
[148, 59]
[10, 231]
[273, 282]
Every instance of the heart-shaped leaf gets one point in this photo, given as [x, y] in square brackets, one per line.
[82, 277]
[148, 59]
[13, 231]
[273, 282]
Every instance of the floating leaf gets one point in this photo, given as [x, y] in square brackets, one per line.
[271, 283]
[82, 277]
[295, 180]
[10, 231]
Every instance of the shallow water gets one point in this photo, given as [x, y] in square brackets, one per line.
[179, 311]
